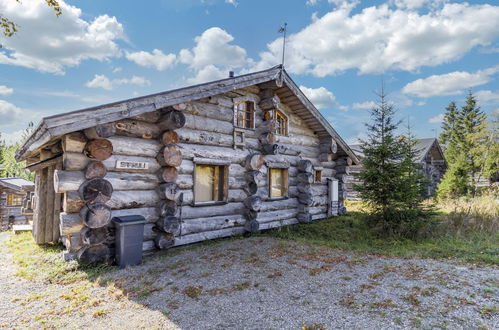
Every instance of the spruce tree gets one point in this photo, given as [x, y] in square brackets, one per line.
[390, 178]
[465, 138]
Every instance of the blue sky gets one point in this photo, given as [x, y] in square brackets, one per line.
[427, 52]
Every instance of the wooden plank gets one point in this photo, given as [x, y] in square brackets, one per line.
[56, 209]
[49, 201]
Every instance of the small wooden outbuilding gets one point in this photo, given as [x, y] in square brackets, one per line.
[15, 202]
[213, 160]
[429, 155]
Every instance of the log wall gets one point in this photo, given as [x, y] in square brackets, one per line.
[169, 142]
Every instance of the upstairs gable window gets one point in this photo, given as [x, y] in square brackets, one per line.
[281, 121]
[244, 114]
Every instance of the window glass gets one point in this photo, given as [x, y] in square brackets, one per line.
[210, 183]
[14, 200]
[281, 123]
[278, 182]
[244, 114]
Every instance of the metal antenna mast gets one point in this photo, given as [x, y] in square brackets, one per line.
[282, 29]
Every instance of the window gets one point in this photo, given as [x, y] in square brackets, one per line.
[281, 123]
[318, 176]
[278, 182]
[244, 113]
[211, 183]
[14, 200]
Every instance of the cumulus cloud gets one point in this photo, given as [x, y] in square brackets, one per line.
[101, 81]
[452, 83]
[213, 55]
[9, 113]
[367, 105]
[320, 97]
[437, 119]
[4, 90]
[487, 96]
[384, 37]
[50, 44]
[155, 59]
[232, 2]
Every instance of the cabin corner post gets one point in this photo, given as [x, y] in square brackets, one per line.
[266, 130]
[252, 203]
[342, 167]
[170, 158]
[304, 186]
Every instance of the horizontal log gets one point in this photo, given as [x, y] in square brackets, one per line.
[199, 123]
[78, 162]
[190, 212]
[101, 131]
[264, 217]
[222, 153]
[148, 246]
[234, 195]
[73, 243]
[209, 235]
[305, 166]
[169, 137]
[94, 236]
[172, 120]
[94, 253]
[169, 155]
[137, 128]
[150, 214]
[169, 224]
[342, 169]
[99, 149]
[199, 225]
[304, 217]
[72, 202]
[276, 224]
[95, 169]
[133, 199]
[207, 110]
[74, 142]
[253, 203]
[305, 178]
[164, 241]
[251, 226]
[168, 174]
[131, 146]
[150, 117]
[96, 215]
[70, 223]
[71, 180]
[279, 205]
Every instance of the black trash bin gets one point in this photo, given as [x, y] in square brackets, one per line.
[129, 239]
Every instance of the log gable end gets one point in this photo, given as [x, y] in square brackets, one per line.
[194, 173]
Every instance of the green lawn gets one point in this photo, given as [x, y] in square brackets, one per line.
[351, 233]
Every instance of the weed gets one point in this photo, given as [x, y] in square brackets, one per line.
[317, 271]
[413, 299]
[314, 326]
[193, 291]
[274, 275]
[99, 312]
[242, 286]
[488, 311]
[388, 303]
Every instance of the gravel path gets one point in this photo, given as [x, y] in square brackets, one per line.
[263, 283]
[28, 304]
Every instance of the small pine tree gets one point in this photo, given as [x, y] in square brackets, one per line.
[391, 181]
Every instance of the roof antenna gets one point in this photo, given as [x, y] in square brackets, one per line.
[283, 29]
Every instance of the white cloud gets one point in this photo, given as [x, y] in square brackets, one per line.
[213, 56]
[50, 44]
[437, 119]
[487, 96]
[12, 138]
[376, 39]
[117, 69]
[156, 59]
[232, 2]
[492, 50]
[367, 105]
[9, 113]
[213, 47]
[4, 90]
[101, 81]
[320, 97]
[452, 83]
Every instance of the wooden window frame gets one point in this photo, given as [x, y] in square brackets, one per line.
[223, 183]
[11, 198]
[285, 175]
[248, 105]
[317, 176]
[274, 114]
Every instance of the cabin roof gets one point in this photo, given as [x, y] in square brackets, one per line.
[16, 183]
[53, 127]
[423, 147]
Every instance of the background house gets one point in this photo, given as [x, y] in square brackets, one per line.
[429, 155]
[15, 201]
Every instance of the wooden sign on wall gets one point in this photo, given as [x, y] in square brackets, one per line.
[124, 164]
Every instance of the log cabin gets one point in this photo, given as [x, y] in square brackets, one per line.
[428, 154]
[15, 202]
[222, 158]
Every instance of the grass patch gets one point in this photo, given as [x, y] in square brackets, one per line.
[455, 235]
[44, 263]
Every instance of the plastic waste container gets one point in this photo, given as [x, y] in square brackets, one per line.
[129, 239]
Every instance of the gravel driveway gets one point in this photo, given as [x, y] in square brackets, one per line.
[264, 283]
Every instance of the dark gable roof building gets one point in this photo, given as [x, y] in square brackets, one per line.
[429, 155]
[237, 155]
